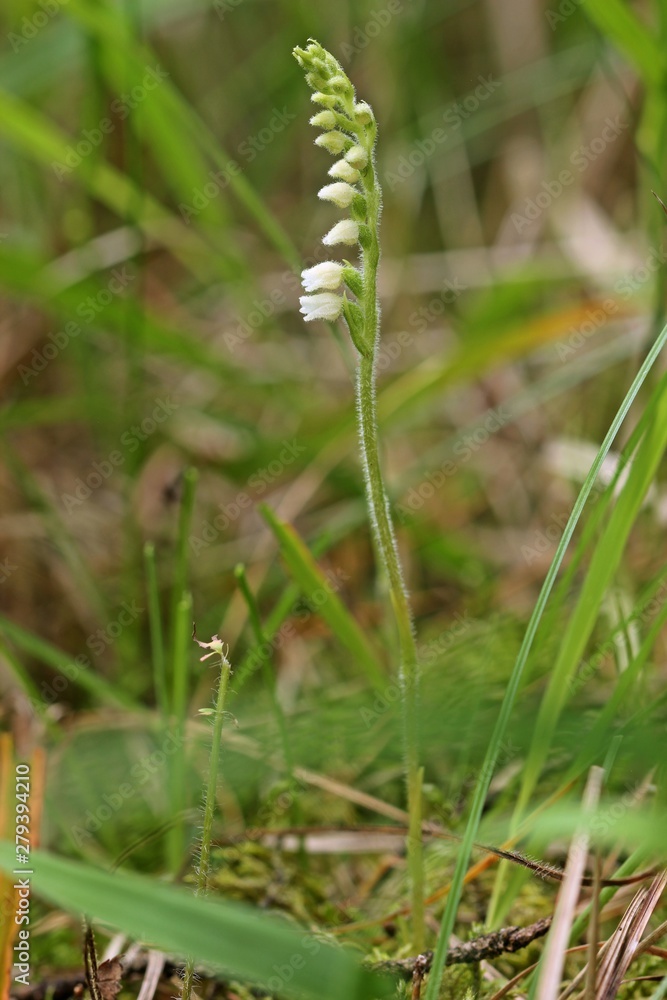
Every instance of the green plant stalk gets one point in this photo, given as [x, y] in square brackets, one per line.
[350, 130]
[204, 865]
[388, 549]
[156, 631]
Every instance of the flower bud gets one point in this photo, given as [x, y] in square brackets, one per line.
[324, 306]
[357, 157]
[324, 119]
[339, 194]
[326, 100]
[340, 85]
[333, 142]
[342, 171]
[346, 231]
[327, 275]
[363, 113]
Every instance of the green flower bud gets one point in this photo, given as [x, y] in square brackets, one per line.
[333, 142]
[357, 157]
[342, 171]
[363, 113]
[324, 119]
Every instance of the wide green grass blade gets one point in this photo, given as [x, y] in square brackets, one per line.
[77, 673]
[512, 689]
[312, 581]
[604, 563]
[172, 125]
[618, 21]
[229, 936]
[38, 138]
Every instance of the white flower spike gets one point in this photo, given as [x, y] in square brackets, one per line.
[346, 232]
[325, 276]
[324, 306]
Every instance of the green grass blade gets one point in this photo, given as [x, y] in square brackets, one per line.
[604, 563]
[74, 669]
[221, 934]
[157, 631]
[619, 22]
[312, 581]
[512, 689]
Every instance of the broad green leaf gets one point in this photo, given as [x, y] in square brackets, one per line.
[227, 936]
[618, 21]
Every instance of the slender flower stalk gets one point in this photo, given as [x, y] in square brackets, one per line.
[350, 130]
[216, 647]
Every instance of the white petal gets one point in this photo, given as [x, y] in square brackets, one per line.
[327, 275]
[343, 171]
[339, 194]
[334, 142]
[323, 306]
[357, 156]
[346, 231]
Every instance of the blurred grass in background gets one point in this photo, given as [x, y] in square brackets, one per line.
[157, 192]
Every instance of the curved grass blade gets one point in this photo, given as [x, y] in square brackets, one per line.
[487, 770]
[221, 934]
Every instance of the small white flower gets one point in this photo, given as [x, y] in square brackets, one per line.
[327, 275]
[323, 306]
[342, 171]
[357, 157]
[346, 231]
[324, 119]
[340, 194]
[333, 142]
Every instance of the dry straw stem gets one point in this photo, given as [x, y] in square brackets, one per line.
[557, 942]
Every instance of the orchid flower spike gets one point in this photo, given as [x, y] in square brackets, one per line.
[348, 131]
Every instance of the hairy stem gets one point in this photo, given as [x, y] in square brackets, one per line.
[203, 869]
[388, 550]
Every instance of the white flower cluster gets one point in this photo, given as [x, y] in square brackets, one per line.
[344, 123]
